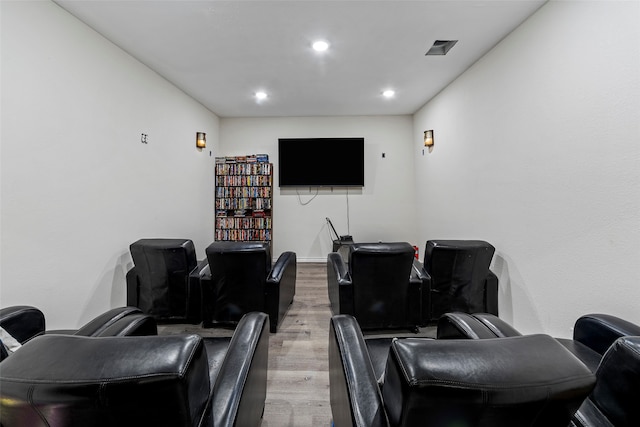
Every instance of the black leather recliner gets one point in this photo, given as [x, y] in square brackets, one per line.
[456, 277]
[25, 322]
[159, 282]
[607, 345]
[517, 381]
[240, 278]
[177, 380]
[22, 322]
[378, 286]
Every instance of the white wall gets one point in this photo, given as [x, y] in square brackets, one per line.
[383, 210]
[537, 152]
[77, 184]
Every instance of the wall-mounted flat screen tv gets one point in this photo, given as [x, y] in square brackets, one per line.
[321, 162]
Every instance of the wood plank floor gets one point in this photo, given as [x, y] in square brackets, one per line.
[298, 376]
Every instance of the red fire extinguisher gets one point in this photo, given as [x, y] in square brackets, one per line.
[417, 252]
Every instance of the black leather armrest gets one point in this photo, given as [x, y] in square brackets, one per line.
[61, 331]
[203, 270]
[133, 287]
[496, 325]
[599, 331]
[425, 290]
[618, 383]
[462, 325]
[134, 325]
[281, 287]
[283, 267]
[339, 284]
[419, 271]
[194, 291]
[415, 298]
[353, 390]
[96, 326]
[241, 385]
[207, 294]
[3, 351]
[473, 326]
[491, 293]
[119, 321]
[22, 322]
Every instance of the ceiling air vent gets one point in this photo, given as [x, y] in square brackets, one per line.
[441, 47]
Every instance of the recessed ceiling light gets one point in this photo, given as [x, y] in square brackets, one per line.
[389, 93]
[261, 95]
[320, 46]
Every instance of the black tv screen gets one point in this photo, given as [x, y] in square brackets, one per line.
[321, 162]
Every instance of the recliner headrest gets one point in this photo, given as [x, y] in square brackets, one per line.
[150, 254]
[228, 246]
[527, 380]
[475, 247]
[114, 381]
[382, 248]
[394, 252]
[258, 251]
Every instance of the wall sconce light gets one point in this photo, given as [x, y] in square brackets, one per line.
[428, 138]
[201, 140]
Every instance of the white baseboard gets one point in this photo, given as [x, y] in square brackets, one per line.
[314, 260]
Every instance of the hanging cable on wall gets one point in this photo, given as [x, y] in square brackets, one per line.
[308, 201]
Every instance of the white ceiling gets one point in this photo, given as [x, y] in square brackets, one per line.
[222, 52]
